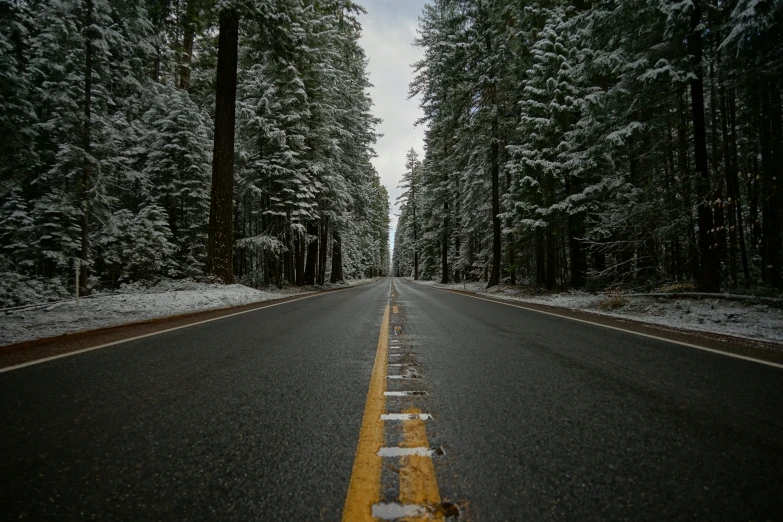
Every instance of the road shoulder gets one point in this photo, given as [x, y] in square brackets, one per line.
[762, 350]
[23, 353]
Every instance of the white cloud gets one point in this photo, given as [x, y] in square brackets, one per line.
[389, 30]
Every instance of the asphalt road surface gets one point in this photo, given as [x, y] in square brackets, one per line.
[524, 416]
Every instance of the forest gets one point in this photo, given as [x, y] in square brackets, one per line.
[631, 144]
[144, 140]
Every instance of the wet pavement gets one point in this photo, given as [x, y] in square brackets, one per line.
[543, 418]
[528, 417]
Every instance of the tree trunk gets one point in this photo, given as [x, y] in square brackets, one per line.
[323, 251]
[735, 181]
[84, 268]
[576, 250]
[733, 198]
[189, 33]
[512, 258]
[494, 277]
[551, 257]
[540, 257]
[312, 254]
[457, 236]
[709, 272]
[576, 226]
[718, 197]
[299, 250]
[415, 232]
[770, 165]
[337, 258]
[599, 260]
[219, 246]
[444, 278]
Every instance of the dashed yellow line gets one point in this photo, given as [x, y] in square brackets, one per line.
[365, 485]
[396, 309]
[418, 484]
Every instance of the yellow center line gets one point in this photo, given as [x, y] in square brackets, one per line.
[396, 309]
[418, 484]
[364, 488]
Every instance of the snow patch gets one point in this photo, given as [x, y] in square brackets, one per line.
[135, 304]
[739, 319]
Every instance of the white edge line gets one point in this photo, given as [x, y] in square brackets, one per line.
[728, 354]
[83, 350]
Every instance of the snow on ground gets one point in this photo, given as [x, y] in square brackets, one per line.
[751, 321]
[134, 304]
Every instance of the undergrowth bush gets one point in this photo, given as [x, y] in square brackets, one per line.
[613, 299]
[674, 288]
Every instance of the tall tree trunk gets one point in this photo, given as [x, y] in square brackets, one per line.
[494, 277]
[512, 258]
[444, 270]
[733, 198]
[156, 65]
[415, 240]
[219, 246]
[672, 205]
[551, 257]
[337, 258]
[312, 254]
[576, 225]
[735, 181]
[709, 272]
[599, 260]
[576, 250]
[540, 257]
[189, 33]
[324, 244]
[457, 236]
[718, 197]
[84, 269]
[299, 251]
[770, 166]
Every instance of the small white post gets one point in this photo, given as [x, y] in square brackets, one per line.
[77, 280]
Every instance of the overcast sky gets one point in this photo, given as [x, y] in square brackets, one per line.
[389, 28]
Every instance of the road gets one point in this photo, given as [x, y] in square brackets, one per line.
[273, 415]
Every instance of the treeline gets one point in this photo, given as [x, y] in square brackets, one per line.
[108, 125]
[628, 143]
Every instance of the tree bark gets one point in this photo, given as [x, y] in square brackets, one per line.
[738, 203]
[299, 249]
[189, 33]
[444, 278]
[322, 251]
[733, 196]
[540, 257]
[219, 246]
[770, 165]
[84, 268]
[337, 258]
[494, 277]
[415, 239]
[551, 257]
[312, 254]
[576, 225]
[576, 250]
[709, 279]
[719, 219]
